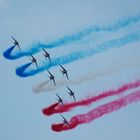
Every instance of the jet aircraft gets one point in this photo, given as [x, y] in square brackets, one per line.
[46, 54]
[16, 43]
[51, 77]
[64, 71]
[34, 60]
[65, 120]
[71, 93]
[59, 99]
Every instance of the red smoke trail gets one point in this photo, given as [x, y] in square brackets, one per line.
[57, 108]
[98, 112]
[50, 109]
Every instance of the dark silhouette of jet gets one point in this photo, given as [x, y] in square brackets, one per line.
[65, 120]
[34, 60]
[71, 93]
[59, 99]
[64, 71]
[16, 43]
[46, 54]
[51, 77]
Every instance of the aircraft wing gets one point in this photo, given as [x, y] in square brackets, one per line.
[63, 117]
[44, 50]
[49, 58]
[65, 121]
[74, 97]
[62, 67]
[19, 47]
[67, 75]
[13, 38]
[61, 102]
[54, 81]
[58, 95]
[36, 64]
[49, 73]
[32, 56]
[69, 89]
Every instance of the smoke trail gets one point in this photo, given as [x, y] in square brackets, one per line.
[41, 85]
[98, 112]
[81, 54]
[23, 68]
[57, 108]
[74, 37]
[7, 53]
[44, 86]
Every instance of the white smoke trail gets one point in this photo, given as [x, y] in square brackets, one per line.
[108, 70]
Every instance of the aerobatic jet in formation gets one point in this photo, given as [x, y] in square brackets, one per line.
[71, 93]
[65, 120]
[16, 43]
[34, 60]
[46, 54]
[59, 99]
[51, 77]
[64, 71]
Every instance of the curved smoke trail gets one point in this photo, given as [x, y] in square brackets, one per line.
[7, 53]
[23, 68]
[108, 70]
[74, 37]
[98, 112]
[116, 43]
[57, 108]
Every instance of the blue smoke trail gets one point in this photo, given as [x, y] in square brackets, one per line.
[74, 37]
[80, 54]
[22, 69]
[7, 53]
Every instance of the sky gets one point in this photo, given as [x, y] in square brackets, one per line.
[43, 21]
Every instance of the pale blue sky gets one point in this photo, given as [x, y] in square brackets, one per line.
[44, 20]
